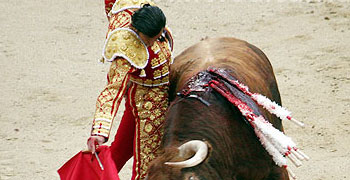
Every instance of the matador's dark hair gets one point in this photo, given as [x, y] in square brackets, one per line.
[149, 20]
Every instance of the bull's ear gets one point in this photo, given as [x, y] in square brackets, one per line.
[200, 152]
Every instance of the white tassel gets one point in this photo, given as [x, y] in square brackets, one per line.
[274, 108]
[282, 143]
[277, 157]
[276, 143]
[274, 134]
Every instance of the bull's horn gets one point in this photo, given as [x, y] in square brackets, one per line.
[201, 151]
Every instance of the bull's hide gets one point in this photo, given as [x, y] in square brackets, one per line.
[234, 150]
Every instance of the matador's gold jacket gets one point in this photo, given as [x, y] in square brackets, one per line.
[146, 69]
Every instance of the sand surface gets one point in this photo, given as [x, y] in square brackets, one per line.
[50, 77]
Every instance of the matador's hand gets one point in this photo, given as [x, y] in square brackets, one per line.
[93, 141]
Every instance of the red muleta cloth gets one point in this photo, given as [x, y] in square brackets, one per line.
[84, 165]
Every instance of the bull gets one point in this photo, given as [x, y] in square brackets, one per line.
[205, 137]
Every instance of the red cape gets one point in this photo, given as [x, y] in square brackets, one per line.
[84, 166]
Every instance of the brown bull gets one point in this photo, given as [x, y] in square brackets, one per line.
[229, 148]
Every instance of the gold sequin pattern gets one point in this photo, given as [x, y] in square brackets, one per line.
[123, 42]
[163, 52]
[157, 73]
[151, 109]
[155, 62]
[109, 99]
[155, 47]
[166, 51]
[129, 3]
[149, 82]
[165, 70]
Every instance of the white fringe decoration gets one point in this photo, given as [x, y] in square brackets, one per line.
[276, 143]
[274, 108]
[265, 102]
[277, 157]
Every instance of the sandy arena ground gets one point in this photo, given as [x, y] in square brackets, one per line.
[50, 77]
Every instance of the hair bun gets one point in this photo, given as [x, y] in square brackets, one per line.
[146, 5]
[149, 20]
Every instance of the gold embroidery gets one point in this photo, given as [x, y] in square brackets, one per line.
[157, 98]
[157, 74]
[155, 47]
[155, 62]
[148, 105]
[129, 3]
[142, 123]
[102, 123]
[137, 144]
[166, 79]
[100, 131]
[157, 112]
[110, 97]
[148, 81]
[161, 57]
[144, 115]
[152, 95]
[143, 73]
[116, 45]
[158, 121]
[122, 19]
[164, 54]
[165, 49]
[150, 127]
[157, 82]
[155, 137]
[165, 70]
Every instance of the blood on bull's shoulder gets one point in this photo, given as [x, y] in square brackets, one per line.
[206, 136]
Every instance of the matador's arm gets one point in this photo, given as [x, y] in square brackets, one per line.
[109, 100]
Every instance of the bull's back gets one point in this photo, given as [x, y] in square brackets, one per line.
[246, 62]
